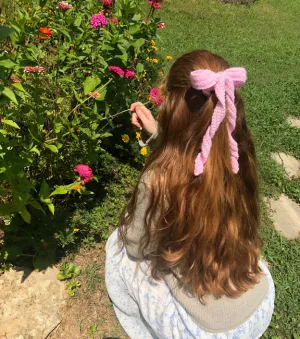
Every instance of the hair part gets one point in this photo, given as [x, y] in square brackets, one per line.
[205, 227]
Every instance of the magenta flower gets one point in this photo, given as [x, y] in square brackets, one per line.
[35, 69]
[116, 70]
[114, 20]
[156, 97]
[107, 3]
[14, 79]
[85, 173]
[161, 25]
[155, 4]
[98, 20]
[129, 73]
[64, 6]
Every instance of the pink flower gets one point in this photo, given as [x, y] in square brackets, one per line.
[129, 73]
[64, 6]
[98, 20]
[114, 20]
[161, 25]
[14, 79]
[116, 70]
[35, 69]
[85, 173]
[154, 4]
[156, 97]
[107, 3]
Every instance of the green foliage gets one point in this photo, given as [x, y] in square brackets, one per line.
[68, 271]
[67, 113]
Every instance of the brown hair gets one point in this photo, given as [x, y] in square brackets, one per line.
[206, 227]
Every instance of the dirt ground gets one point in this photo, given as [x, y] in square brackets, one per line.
[90, 313]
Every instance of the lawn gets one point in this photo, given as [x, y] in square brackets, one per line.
[263, 38]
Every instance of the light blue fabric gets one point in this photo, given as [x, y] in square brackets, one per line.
[147, 309]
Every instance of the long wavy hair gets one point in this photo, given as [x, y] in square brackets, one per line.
[206, 227]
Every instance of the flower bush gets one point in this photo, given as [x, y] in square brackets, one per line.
[68, 73]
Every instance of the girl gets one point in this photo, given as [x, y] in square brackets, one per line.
[185, 261]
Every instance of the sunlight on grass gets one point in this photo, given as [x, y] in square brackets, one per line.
[263, 38]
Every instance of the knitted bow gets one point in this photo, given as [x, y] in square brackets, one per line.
[224, 84]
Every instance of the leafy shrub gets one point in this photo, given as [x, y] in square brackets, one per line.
[74, 222]
[67, 77]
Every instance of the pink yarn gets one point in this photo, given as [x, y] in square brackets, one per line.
[223, 84]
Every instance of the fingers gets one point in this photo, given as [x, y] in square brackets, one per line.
[143, 108]
[135, 121]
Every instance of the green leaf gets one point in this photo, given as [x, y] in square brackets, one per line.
[10, 94]
[12, 252]
[7, 63]
[134, 28]
[59, 100]
[139, 67]
[90, 84]
[10, 123]
[102, 95]
[5, 32]
[77, 21]
[59, 190]
[60, 276]
[35, 150]
[77, 270]
[139, 43]
[52, 148]
[51, 208]
[19, 86]
[77, 96]
[36, 205]
[25, 215]
[44, 191]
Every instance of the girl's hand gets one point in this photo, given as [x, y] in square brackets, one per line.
[142, 118]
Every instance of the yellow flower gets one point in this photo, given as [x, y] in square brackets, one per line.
[152, 42]
[99, 141]
[75, 230]
[148, 59]
[138, 135]
[161, 74]
[3, 20]
[71, 45]
[125, 138]
[168, 57]
[144, 151]
[29, 9]
[155, 61]
[155, 48]
[148, 50]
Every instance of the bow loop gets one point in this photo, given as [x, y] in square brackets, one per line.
[223, 84]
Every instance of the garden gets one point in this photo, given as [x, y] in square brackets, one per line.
[69, 156]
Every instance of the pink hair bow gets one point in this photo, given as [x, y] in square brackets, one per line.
[223, 84]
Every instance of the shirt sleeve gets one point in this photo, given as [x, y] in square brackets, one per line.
[136, 230]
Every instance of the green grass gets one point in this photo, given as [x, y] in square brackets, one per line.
[263, 38]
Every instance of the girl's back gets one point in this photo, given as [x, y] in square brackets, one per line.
[193, 219]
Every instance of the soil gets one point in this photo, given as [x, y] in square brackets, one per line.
[89, 314]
